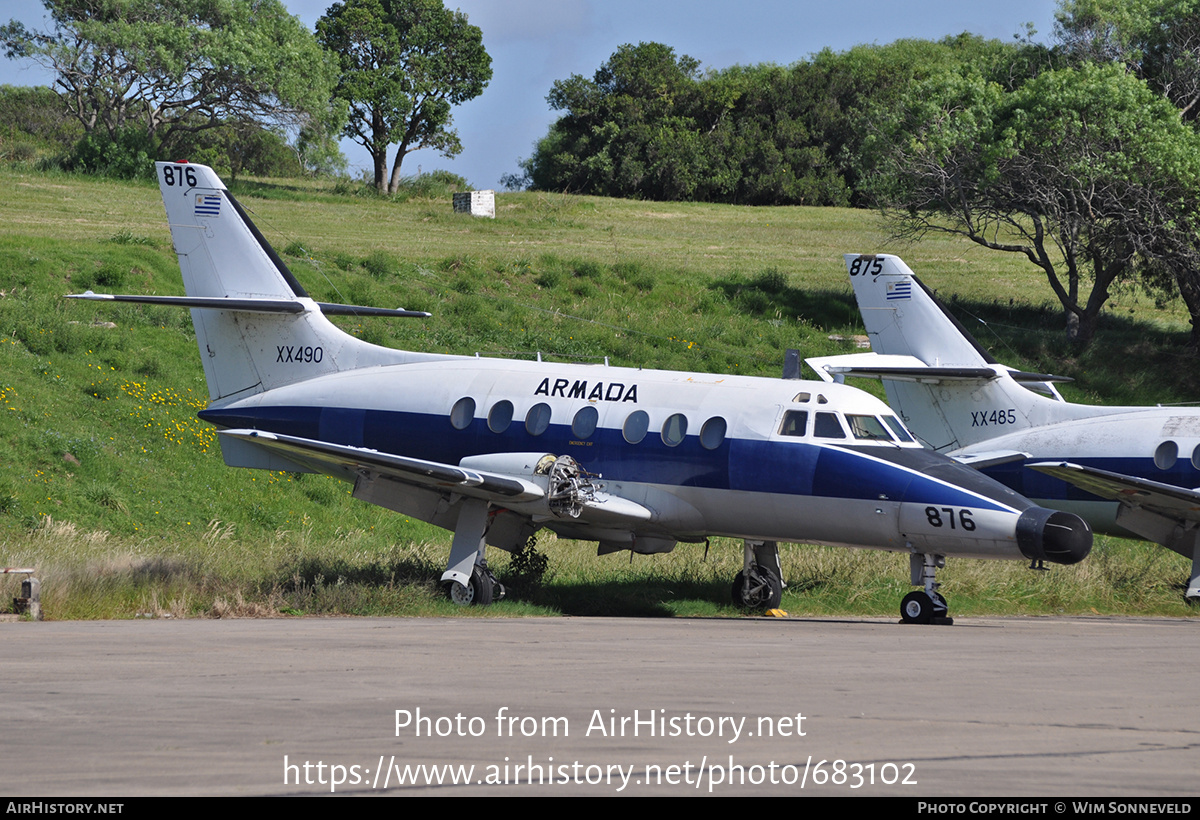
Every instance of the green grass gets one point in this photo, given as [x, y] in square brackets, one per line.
[116, 492]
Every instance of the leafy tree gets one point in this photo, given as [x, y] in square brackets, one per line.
[650, 124]
[1157, 40]
[404, 63]
[166, 68]
[625, 132]
[1086, 172]
[33, 120]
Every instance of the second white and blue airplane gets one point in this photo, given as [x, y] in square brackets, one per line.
[1128, 471]
[633, 459]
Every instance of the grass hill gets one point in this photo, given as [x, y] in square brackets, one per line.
[117, 493]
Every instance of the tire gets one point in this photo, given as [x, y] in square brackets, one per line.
[477, 593]
[766, 590]
[916, 608]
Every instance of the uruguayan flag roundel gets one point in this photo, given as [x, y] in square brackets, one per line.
[208, 205]
[898, 291]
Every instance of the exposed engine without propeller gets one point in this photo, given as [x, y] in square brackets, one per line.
[570, 486]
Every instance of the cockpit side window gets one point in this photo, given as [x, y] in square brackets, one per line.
[826, 425]
[867, 428]
[795, 423]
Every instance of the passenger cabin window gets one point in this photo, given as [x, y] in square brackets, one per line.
[867, 428]
[1165, 455]
[636, 426]
[898, 428]
[712, 434]
[462, 413]
[500, 416]
[826, 425]
[584, 423]
[674, 429]
[795, 423]
[537, 419]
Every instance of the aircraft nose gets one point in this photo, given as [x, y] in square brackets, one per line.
[1053, 535]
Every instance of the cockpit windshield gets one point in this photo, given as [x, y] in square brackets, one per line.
[898, 429]
[868, 428]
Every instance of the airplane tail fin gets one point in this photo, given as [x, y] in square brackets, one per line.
[949, 390]
[904, 318]
[256, 326]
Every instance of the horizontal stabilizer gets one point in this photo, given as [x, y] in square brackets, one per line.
[912, 369]
[894, 367]
[249, 305]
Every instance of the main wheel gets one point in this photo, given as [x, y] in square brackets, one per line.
[917, 608]
[478, 592]
[765, 590]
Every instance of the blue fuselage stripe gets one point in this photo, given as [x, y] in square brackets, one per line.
[784, 467]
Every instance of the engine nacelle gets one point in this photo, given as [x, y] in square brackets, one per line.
[1053, 535]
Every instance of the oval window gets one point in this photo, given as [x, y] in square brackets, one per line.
[584, 423]
[674, 429]
[636, 426]
[537, 419]
[1196, 457]
[462, 413]
[500, 416]
[1165, 455]
[712, 433]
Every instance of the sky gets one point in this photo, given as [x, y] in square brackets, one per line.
[535, 42]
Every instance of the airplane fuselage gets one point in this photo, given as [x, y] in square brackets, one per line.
[703, 452]
[1157, 443]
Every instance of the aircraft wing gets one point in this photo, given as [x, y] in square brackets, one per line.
[524, 494]
[343, 461]
[1153, 496]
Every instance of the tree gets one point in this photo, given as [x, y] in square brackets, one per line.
[164, 68]
[404, 63]
[649, 124]
[1086, 172]
[1157, 40]
[626, 132]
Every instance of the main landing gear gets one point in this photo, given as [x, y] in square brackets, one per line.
[468, 580]
[760, 583]
[925, 606]
[482, 589]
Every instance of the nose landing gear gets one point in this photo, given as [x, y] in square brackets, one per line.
[925, 606]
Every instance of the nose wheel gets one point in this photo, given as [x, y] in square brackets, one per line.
[919, 607]
[925, 606]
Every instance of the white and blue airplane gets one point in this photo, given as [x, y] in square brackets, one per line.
[638, 460]
[1128, 471]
